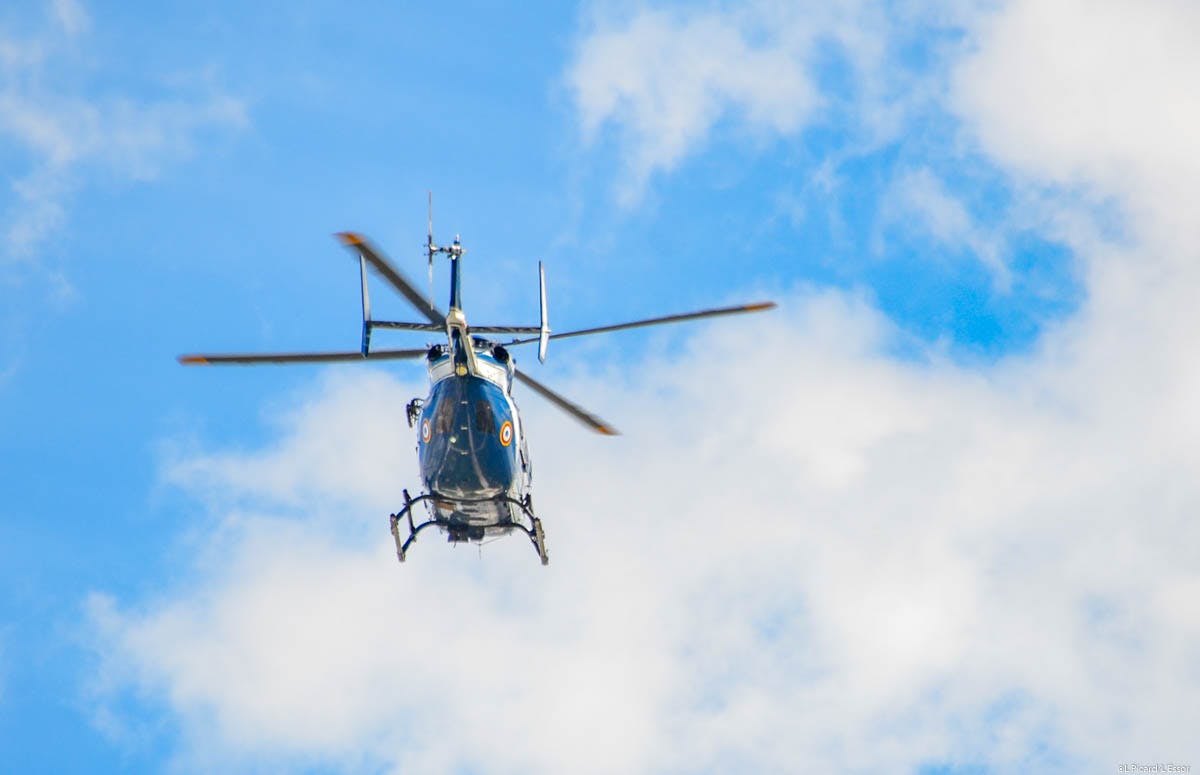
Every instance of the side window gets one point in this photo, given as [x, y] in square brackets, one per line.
[485, 422]
[443, 421]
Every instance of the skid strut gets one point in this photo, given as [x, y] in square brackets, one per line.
[535, 533]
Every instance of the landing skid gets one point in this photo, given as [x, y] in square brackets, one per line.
[535, 533]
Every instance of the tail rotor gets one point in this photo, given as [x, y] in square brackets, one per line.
[544, 332]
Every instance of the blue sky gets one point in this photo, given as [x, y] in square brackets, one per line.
[902, 523]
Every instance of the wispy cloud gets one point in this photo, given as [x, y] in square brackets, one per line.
[665, 80]
[921, 202]
[67, 136]
[72, 18]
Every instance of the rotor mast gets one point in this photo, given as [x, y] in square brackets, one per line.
[455, 251]
[456, 322]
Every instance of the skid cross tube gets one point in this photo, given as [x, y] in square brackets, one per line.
[534, 532]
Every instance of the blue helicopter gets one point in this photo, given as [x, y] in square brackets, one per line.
[474, 461]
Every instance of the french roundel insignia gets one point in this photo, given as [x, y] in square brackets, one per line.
[426, 433]
[506, 433]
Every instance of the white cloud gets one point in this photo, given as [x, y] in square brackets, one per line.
[67, 137]
[829, 557]
[667, 80]
[804, 554]
[1100, 94]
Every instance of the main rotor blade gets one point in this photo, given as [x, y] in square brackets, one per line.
[505, 329]
[576, 411]
[359, 243]
[407, 326]
[707, 313]
[251, 358]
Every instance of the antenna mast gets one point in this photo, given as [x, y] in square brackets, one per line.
[430, 247]
[454, 250]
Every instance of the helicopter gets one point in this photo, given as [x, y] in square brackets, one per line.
[472, 448]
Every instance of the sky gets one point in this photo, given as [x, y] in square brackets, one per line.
[935, 514]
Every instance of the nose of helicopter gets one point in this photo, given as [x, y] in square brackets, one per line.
[468, 450]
